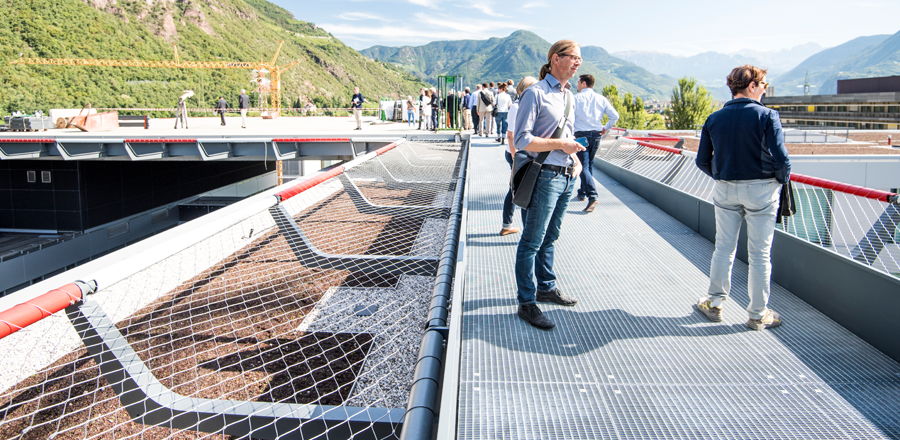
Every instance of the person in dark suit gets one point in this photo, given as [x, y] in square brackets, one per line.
[221, 105]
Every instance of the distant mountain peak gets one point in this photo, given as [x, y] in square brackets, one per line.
[520, 53]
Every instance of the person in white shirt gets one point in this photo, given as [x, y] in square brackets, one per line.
[590, 107]
[485, 107]
[503, 103]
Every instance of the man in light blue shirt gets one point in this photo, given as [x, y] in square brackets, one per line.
[590, 107]
[541, 110]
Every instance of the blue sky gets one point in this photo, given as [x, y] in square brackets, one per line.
[681, 27]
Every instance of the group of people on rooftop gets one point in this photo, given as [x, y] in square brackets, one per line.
[741, 148]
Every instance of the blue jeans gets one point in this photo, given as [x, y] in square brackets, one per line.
[588, 188]
[534, 256]
[434, 121]
[410, 118]
[508, 207]
[502, 125]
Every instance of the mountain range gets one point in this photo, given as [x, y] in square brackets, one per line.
[875, 55]
[519, 54]
[650, 74]
[710, 68]
[224, 30]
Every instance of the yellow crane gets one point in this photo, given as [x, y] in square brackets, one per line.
[274, 70]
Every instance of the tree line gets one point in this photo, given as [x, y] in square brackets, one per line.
[690, 105]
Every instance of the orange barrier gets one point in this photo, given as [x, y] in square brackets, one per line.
[29, 312]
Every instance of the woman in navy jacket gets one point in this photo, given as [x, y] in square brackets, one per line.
[742, 148]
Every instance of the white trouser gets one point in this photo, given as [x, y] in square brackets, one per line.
[357, 114]
[243, 117]
[755, 201]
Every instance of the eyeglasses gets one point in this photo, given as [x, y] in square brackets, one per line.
[574, 57]
[763, 84]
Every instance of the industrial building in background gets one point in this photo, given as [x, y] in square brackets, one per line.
[865, 103]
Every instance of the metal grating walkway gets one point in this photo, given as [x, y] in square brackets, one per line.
[633, 360]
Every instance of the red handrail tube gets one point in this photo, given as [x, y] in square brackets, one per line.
[27, 141]
[308, 183]
[386, 148]
[161, 141]
[311, 140]
[658, 147]
[29, 312]
[868, 193]
[653, 139]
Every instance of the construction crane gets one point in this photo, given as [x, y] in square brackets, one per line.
[275, 71]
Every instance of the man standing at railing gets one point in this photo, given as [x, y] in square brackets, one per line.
[244, 105]
[356, 102]
[544, 123]
[221, 107]
[742, 148]
[590, 107]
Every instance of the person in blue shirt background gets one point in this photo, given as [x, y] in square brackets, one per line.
[742, 148]
[356, 102]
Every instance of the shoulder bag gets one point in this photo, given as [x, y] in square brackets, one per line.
[526, 169]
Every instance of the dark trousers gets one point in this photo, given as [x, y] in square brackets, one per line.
[588, 188]
[508, 207]
[222, 116]
[475, 118]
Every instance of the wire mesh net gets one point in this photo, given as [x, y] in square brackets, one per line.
[860, 228]
[316, 304]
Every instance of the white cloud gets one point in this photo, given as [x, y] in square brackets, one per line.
[357, 16]
[438, 29]
[426, 3]
[532, 5]
[474, 29]
[487, 10]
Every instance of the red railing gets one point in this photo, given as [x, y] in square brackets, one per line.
[643, 142]
[312, 140]
[336, 171]
[860, 191]
[27, 141]
[34, 310]
[161, 141]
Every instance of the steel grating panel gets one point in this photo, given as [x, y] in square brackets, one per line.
[632, 359]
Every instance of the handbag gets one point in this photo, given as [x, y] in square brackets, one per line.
[526, 169]
[786, 206]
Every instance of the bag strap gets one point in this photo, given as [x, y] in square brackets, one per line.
[560, 126]
[485, 99]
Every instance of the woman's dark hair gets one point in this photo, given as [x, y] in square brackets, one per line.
[742, 76]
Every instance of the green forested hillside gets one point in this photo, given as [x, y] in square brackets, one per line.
[216, 30]
[519, 54]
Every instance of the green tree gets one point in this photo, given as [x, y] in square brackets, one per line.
[631, 111]
[691, 105]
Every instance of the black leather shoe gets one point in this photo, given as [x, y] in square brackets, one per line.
[555, 296]
[531, 314]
